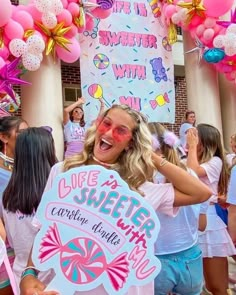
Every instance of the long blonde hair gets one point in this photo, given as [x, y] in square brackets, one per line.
[169, 152]
[135, 165]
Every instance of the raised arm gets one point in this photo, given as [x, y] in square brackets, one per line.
[101, 107]
[67, 110]
[188, 189]
[192, 160]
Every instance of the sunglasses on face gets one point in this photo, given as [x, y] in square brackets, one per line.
[119, 133]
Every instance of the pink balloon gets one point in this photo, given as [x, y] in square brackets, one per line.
[64, 3]
[170, 10]
[217, 8]
[72, 32]
[208, 34]
[73, 8]
[101, 13]
[14, 30]
[65, 17]
[196, 20]
[24, 19]
[5, 12]
[4, 53]
[2, 62]
[200, 30]
[69, 56]
[36, 15]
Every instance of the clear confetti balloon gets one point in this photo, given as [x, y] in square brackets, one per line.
[17, 47]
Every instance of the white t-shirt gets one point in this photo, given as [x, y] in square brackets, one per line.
[178, 233]
[20, 234]
[74, 136]
[231, 198]
[213, 170]
[182, 133]
[229, 159]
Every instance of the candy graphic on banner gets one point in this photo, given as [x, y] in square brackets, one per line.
[96, 91]
[101, 61]
[95, 231]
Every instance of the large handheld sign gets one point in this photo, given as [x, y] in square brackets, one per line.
[95, 230]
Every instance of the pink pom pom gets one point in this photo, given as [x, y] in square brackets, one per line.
[155, 143]
[170, 139]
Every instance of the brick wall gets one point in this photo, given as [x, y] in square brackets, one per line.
[70, 74]
[15, 2]
[180, 104]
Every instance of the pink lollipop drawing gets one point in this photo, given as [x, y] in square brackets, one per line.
[96, 91]
[82, 260]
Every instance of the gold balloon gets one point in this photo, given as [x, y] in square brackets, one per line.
[55, 37]
[172, 33]
[194, 8]
[29, 33]
[1, 38]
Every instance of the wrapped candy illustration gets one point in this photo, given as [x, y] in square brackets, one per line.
[82, 260]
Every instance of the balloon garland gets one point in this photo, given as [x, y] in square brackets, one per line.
[51, 26]
[43, 26]
[215, 39]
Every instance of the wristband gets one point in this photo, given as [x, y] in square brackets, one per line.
[29, 272]
[163, 162]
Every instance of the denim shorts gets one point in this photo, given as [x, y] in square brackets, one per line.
[181, 273]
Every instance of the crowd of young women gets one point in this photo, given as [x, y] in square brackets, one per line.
[183, 193]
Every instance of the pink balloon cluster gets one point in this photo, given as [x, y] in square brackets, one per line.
[204, 25]
[18, 27]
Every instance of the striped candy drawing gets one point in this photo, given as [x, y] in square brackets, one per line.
[82, 260]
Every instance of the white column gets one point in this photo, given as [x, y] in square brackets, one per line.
[42, 101]
[228, 108]
[228, 101]
[202, 86]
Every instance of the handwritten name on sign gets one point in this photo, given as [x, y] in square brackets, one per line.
[95, 231]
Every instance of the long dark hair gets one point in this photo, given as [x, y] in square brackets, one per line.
[82, 121]
[7, 124]
[34, 157]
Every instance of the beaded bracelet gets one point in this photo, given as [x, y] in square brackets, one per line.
[29, 271]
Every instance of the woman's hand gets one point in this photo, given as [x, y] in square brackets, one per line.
[192, 138]
[81, 100]
[30, 285]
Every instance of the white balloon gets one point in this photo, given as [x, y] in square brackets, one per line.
[218, 41]
[43, 5]
[230, 50]
[35, 44]
[49, 20]
[56, 7]
[17, 47]
[40, 56]
[175, 18]
[31, 62]
[231, 29]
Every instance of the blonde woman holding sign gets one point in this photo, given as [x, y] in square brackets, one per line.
[121, 141]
